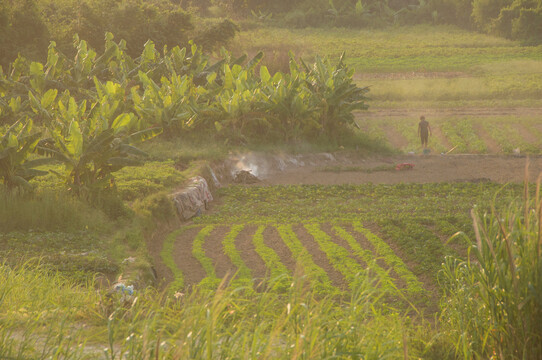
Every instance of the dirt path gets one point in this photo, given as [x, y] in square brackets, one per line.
[427, 169]
[450, 112]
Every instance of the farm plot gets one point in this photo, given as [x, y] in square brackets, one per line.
[492, 134]
[398, 235]
[331, 256]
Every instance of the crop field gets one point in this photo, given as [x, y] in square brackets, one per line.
[475, 134]
[399, 233]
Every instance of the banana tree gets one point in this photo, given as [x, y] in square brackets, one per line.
[334, 93]
[92, 149]
[16, 146]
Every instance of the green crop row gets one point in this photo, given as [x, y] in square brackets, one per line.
[316, 274]
[509, 139]
[211, 280]
[463, 134]
[243, 277]
[167, 257]
[277, 271]
[413, 48]
[338, 256]
[391, 259]
[367, 256]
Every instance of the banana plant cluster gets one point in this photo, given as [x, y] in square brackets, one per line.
[94, 102]
[16, 148]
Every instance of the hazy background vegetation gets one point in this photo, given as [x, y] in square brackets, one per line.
[27, 26]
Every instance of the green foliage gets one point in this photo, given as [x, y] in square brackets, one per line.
[22, 30]
[493, 304]
[243, 276]
[317, 276]
[37, 305]
[217, 35]
[16, 146]
[92, 150]
[211, 281]
[153, 176]
[157, 206]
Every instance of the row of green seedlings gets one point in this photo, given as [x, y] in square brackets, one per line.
[460, 133]
[338, 256]
[509, 138]
[419, 241]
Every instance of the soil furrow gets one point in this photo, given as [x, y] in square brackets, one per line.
[273, 240]
[319, 257]
[248, 253]
[396, 139]
[215, 251]
[492, 146]
[192, 270]
[366, 244]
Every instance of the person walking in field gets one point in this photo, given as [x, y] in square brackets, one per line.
[423, 131]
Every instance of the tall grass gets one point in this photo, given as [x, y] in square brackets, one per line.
[493, 303]
[46, 211]
[43, 315]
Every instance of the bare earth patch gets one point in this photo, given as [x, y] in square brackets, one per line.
[449, 112]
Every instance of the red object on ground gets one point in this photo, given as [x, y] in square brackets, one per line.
[404, 166]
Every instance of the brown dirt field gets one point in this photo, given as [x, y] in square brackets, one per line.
[182, 254]
[248, 253]
[319, 257]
